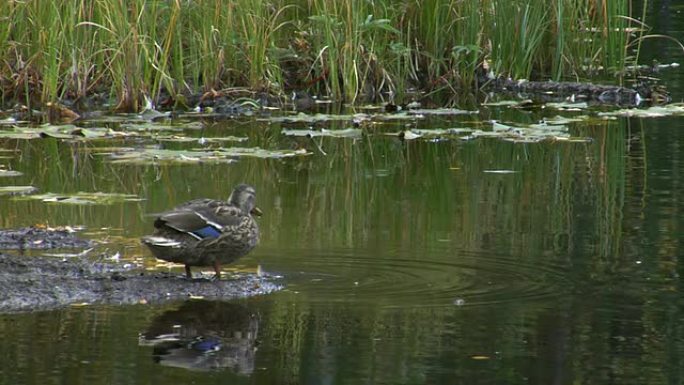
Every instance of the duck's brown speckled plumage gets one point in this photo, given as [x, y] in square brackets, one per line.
[207, 232]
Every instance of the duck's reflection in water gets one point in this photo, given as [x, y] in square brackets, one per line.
[205, 335]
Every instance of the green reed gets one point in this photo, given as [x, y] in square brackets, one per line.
[345, 50]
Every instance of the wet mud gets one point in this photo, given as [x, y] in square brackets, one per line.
[31, 283]
[44, 283]
[40, 238]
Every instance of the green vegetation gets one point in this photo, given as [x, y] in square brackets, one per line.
[166, 50]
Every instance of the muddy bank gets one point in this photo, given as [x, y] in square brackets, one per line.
[40, 238]
[239, 101]
[40, 283]
[546, 91]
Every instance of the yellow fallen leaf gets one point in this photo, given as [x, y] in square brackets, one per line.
[476, 357]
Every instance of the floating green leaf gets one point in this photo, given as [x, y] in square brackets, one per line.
[152, 126]
[346, 133]
[565, 119]
[60, 132]
[8, 121]
[530, 133]
[436, 133]
[184, 139]
[221, 155]
[83, 198]
[398, 116]
[505, 103]
[568, 106]
[14, 133]
[7, 173]
[11, 190]
[443, 131]
[256, 152]
[651, 112]
[410, 135]
[441, 111]
[308, 118]
[154, 155]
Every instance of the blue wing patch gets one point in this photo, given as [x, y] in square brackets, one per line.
[207, 232]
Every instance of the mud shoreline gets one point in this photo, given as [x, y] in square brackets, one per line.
[44, 283]
[37, 283]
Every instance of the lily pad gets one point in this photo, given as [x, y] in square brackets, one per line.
[443, 131]
[8, 121]
[399, 116]
[11, 190]
[651, 112]
[346, 133]
[83, 198]
[221, 155]
[115, 118]
[437, 133]
[187, 139]
[410, 135]
[503, 103]
[441, 111]
[108, 150]
[60, 132]
[257, 152]
[154, 155]
[568, 106]
[506, 103]
[156, 127]
[14, 133]
[565, 119]
[530, 133]
[309, 118]
[7, 173]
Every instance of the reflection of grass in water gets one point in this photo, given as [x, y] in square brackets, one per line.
[365, 191]
[532, 213]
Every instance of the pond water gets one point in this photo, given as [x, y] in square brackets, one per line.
[430, 260]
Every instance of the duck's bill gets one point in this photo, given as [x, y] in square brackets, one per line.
[256, 211]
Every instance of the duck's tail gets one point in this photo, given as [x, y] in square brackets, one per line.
[157, 241]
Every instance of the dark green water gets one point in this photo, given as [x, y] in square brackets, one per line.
[404, 262]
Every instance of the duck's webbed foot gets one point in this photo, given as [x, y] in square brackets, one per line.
[217, 270]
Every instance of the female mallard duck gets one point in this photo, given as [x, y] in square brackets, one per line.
[207, 232]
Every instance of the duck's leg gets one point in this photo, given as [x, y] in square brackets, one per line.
[188, 273]
[217, 270]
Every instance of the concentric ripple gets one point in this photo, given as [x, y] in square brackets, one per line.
[450, 278]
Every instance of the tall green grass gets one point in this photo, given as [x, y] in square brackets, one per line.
[162, 50]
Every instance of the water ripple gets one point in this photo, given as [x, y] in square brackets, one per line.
[452, 279]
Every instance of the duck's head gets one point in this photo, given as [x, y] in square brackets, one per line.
[244, 197]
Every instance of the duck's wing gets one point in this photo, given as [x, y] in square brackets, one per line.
[224, 215]
[190, 222]
[201, 222]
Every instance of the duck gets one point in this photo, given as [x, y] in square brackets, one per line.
[207, 232]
